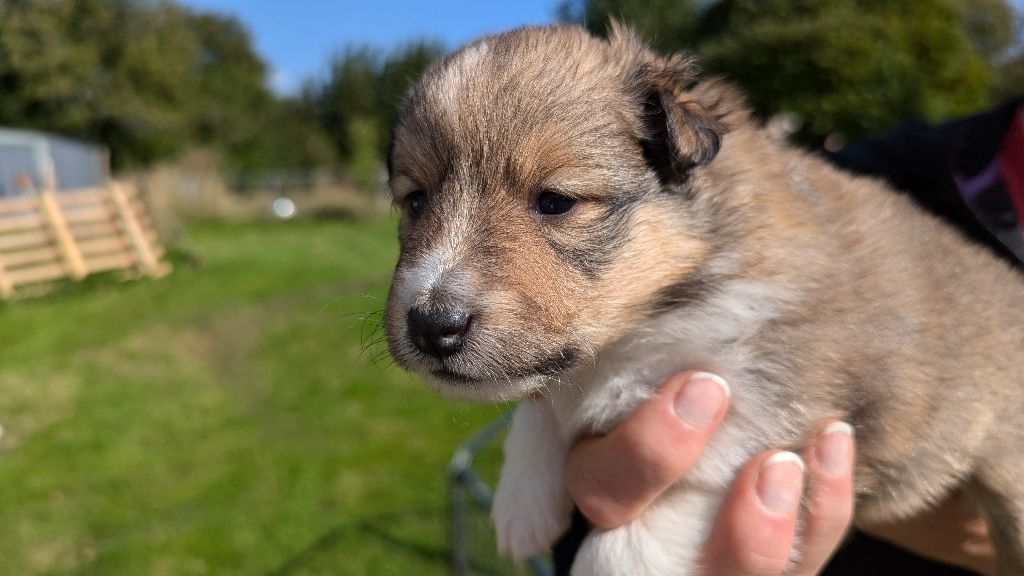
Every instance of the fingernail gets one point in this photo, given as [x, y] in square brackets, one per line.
[780, 482]
[835, 449]
[701, 398]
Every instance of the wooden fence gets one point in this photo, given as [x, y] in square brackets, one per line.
[51, 236]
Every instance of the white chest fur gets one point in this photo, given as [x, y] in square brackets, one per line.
[532, 506]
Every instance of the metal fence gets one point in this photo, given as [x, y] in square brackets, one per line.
[471, 500]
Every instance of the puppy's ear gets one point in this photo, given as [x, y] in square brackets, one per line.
[680, 134]
[679, 131]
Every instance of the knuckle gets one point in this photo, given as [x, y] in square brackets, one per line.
[647, 455]
[830, 515]
[661, 451]
[602, 509]
[597, 499]
[831, 526]
[758, 563]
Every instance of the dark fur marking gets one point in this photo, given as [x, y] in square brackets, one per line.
[551, 366]
[865, 412]
[604, 239]
[446, 373]
[695, 288]
[554, 364]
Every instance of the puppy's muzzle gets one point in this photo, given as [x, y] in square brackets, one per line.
[439, 332]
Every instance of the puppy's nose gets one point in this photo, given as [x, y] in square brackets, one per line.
[439, 332]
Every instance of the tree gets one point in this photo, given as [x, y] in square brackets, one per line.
[286, 134]
[231, 83]
[855, 67]
[1011, 77]
[238, 114]
[670, 25]
[992, 27]
[349, 95]
[400, 70]
[99, 70]
[147, 78]
[359, 101]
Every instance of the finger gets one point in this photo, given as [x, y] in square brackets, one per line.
[756, 526]
[612, 478]
[830, 497]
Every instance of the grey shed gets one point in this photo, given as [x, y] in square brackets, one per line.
[25, 157]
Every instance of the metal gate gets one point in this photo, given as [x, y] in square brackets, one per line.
[471, 498]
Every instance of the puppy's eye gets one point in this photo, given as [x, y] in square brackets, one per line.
[552, 203]
[416, 202]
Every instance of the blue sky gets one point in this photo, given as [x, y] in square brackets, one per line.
[298, 37]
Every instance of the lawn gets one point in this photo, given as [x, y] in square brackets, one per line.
[225, 419]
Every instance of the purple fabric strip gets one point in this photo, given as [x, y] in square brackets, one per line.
[972, 186]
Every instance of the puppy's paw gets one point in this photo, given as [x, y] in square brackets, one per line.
[529, 515]
[532, 507]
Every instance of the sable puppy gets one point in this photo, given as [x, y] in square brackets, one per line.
[580, 221]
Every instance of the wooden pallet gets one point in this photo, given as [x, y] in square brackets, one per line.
[51, 236]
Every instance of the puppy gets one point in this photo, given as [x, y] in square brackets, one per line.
[580, 220]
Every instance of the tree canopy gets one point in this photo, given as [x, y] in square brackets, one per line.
[358, 102]
[100, 70]
[150, 78]
[853, 67]
[146, 78]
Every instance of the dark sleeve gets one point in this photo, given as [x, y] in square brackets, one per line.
[919, 160]
[862, 554]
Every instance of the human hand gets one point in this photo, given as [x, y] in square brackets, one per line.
[953, 533]
[613, 478]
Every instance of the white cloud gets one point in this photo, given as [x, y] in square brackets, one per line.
[283, 83]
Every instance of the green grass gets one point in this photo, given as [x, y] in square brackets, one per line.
[225, 419]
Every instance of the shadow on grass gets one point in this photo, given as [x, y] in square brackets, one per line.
[46, 292]
[381, 528]
[64, 289]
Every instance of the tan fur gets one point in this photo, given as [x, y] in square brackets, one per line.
[891, 320]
